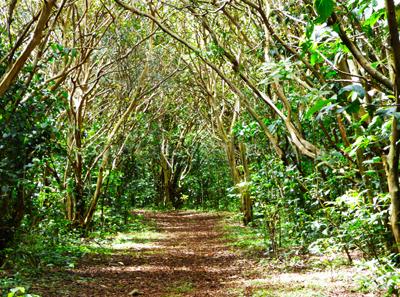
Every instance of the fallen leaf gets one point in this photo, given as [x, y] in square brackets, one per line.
[135, 292]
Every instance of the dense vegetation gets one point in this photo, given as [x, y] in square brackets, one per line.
[286, 111]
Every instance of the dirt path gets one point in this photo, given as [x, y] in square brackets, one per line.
[189, 258]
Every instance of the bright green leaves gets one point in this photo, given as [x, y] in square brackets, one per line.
[315, 58]
[316, 107]
[361, 143]
[214, 50]
[348, 99]
[281, 70]
[324, 9]
[310, 29]
[246, 130]
[20, 291]
[58, 50]
[373, 19]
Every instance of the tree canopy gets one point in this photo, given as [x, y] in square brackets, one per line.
[286, 111]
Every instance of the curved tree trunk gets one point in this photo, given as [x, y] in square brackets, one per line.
[393, 157]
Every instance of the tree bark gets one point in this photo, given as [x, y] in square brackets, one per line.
[12, 73]
[100, 178]
[393, 156]
[247, 203]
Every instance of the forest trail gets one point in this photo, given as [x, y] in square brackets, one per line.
[189, 258]
[188, 255]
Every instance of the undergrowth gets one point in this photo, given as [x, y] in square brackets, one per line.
[292, 261]
[52, 245]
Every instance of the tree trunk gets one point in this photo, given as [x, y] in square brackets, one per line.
[12, 210]
[393, 156]
[9, 77]
[166, 183]
[247, 204]
[92, 208]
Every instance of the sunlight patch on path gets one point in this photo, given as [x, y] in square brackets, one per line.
[157, 268]
[301, 284]
[135, 241]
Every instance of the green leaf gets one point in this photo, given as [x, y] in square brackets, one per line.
[309, 30]
[354, 106]
[371, 21]
[16, 290]
[364, 118]
[74, 53]
[335, 28]
[356, 88]
[324, 9]
[316, 107]
[314, 58]
[374, 160]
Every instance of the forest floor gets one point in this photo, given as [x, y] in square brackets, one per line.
[187, 254]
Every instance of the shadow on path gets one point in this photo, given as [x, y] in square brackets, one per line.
[190, 259]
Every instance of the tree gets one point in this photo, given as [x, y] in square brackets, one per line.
[23, 122]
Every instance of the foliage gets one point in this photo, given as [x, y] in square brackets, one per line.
[53, 244]
[20, 291]
[285, 111]
[380, 274]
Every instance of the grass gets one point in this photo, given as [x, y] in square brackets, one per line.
[246, 239]
[292, 288]
[45, 249]
[178, 289]
[184, 287]
[302, 292]
[290, 274]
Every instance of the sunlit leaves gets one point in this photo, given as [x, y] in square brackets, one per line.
[283, 69]
[356, 90]
[214, 50]
[316, 107]
[371, 21]
[246, 130]
[362, 142]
